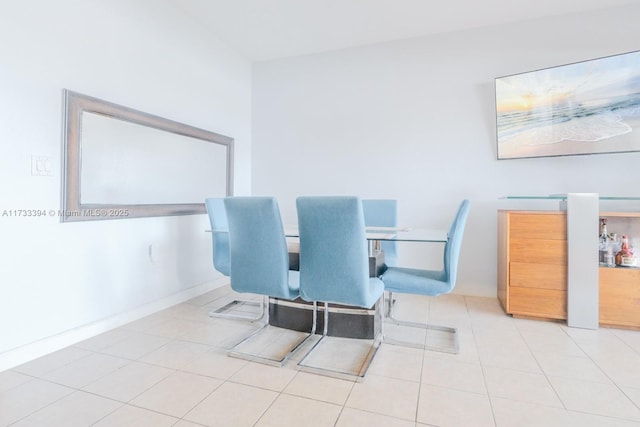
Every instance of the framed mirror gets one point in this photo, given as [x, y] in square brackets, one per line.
[122, 163]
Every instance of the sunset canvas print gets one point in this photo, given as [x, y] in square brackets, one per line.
[583, 108]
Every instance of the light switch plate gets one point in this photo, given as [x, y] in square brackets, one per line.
[41, 166]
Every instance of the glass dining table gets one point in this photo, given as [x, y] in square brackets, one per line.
[375, 235]
[350, 322]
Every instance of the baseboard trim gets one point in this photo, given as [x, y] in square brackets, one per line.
[28, 352]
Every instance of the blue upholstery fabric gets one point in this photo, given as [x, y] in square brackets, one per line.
[219, 235]
[334, 261]
[428, 282]
[383, 213]
[259, 256]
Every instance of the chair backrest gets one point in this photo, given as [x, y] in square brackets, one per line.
[383, 213]
[454, 243]
[334, 261]
[219, 234]
[259, 257]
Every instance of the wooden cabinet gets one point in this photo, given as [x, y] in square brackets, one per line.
[620, 297]
[532, 269]
[532, 263]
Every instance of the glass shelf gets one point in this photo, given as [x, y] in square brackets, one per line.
[564, 197]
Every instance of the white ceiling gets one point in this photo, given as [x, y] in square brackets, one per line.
[268, 29]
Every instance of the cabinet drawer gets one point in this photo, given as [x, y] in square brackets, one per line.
[551, 226]
[541, 276]
[538, 251]
[620, 296]
[538, 302]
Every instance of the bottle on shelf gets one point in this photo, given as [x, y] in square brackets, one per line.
[605, 248]
[625, 257]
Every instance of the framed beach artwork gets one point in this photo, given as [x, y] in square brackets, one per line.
[582, 108]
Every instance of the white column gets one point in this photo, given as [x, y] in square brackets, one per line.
[583, 273]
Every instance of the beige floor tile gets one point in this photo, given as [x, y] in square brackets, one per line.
[595, 398]
[232, 404]
[264, 376]
[290, 410]
[453, 374]
[514, 357]
[511, 413]
[579, 368]
[386, 396]
[129, 381]
[631, 338]
[135, 346]
[579, 419]
[184, 423]
[209, 297]
[214, 363]
[623, 368]
[220, 333]
[176, 354]
[400, 365]
[130, 416]
[354, 417]
[23, 400]
[11, 379]
[594, 374]
[552, 341]
[107, 339]
[541, 326]
[176, 327]
[440, 406]
[521, 386]
[77, 409]
[147, 322]
[81, 372]
[632, 393]
[320, 388]
[177, 394]
[53, 361]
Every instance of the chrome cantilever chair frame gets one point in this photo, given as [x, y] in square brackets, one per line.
[390, 303]
[260, 264]
[220, 239]
[366, 362]
[445, 281]
[339, 275]
[235, 352]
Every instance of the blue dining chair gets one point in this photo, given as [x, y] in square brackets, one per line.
[260, 262]
[383, 213]
[220, 240]
[428, 282]
[334, 265]
[219, 234]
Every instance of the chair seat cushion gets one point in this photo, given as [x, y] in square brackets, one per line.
[415, 281]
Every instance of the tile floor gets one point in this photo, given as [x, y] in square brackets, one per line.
[170, 369]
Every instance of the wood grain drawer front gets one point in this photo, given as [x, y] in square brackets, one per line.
[538, 251]
[549, 226]
[620, 296]
[542, 276]
[538, 302]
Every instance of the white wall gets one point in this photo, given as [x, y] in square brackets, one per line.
[414, 120]
[56, 277]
